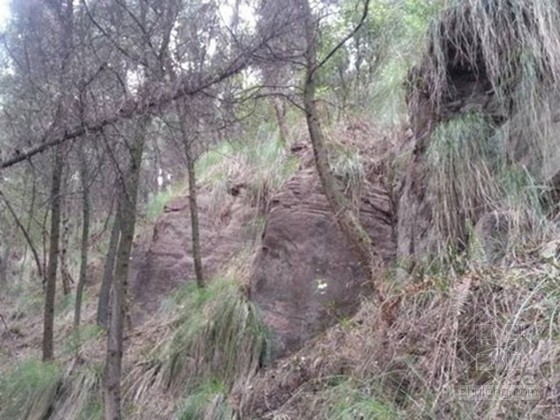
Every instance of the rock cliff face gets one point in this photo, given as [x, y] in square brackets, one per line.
[306, 275]
[167, 261]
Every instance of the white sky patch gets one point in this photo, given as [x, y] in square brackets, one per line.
[247, 16]
[5, 13]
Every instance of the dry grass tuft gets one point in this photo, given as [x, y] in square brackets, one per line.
[481, 329]
[490, 74]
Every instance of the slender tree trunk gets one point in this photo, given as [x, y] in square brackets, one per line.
[65, 275]
[193, 205]
[347, 219]
[48, 325]
[84, 244]
[27, 229]
[65, 15]
[5, 246]
[26, 235]
[108, 272]
[280, 111]
[113, 367]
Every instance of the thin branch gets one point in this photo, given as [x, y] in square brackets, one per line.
[343, 40]
[25, 233]
[132, 107]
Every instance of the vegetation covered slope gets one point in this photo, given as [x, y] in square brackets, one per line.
[468, 323]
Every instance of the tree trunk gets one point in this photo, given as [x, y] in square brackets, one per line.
[193, 205]
[84, 245]
[129, 194]
[48, 322]
[65, 275]
[347, 219]
[65, 15]
[108, 272]
[26, 235]
[280, 111]
[27, 229]
[5, 246]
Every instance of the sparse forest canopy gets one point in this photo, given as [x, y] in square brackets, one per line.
[225, 209]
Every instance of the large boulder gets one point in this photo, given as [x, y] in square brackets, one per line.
[306, 274]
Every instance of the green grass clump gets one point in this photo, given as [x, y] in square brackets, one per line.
[30, 390]
[217, 338]
[205, 402]
[37, 390]
[218, 335]
[347, 400]
[80, 394]
[158, 201]
[348, 164]
[261, 165]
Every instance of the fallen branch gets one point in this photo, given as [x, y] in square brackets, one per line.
[131, 107]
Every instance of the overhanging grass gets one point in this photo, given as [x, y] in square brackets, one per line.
[469, 175]
[461, 160]
[512, 48]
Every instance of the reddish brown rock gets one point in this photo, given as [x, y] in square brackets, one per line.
[306, 274]
[167, 262]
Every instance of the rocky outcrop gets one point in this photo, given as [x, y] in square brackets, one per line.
[306, 274]
[167, 262]
[454, 78]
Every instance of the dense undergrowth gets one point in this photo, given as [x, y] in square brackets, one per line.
[481, 315]
[216, 339]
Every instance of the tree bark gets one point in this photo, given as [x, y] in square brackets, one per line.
[108, 272]
[193, 204]
[65, 275]
[84, 244]
[65, 16]
[5, 246]
[279, 109]
[48, 321]
[129, 194]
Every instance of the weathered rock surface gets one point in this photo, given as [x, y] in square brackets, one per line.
[306, 274]
[167, 263]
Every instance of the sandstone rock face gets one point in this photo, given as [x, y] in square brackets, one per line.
[167, 262]
[306, 274]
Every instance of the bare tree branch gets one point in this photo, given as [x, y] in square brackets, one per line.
[132, 107]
